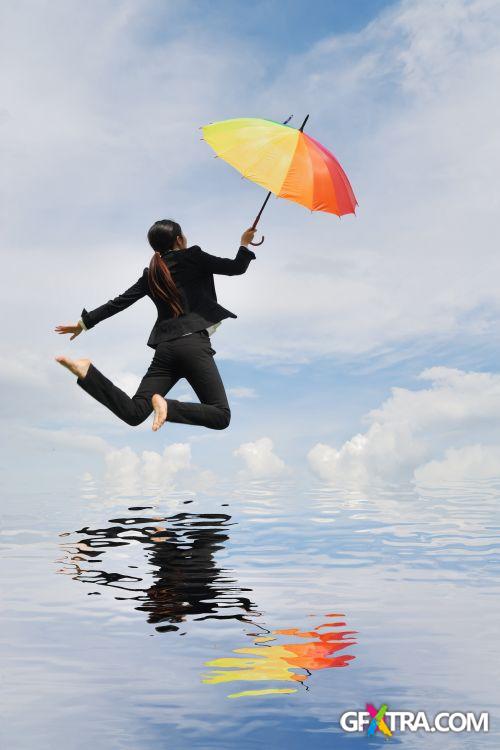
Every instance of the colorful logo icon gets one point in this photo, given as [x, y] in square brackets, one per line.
[377, 723]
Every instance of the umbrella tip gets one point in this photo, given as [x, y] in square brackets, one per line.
[303, 124]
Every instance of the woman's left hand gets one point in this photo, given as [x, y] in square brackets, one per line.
[75, 330]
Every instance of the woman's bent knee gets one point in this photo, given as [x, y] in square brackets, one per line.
[136, 417]
[134, 420]
[223, 419]
[138, 411]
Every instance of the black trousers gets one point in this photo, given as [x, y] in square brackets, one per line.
[189, 357]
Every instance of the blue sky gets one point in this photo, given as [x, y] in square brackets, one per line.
[270, 29]
[100, 118]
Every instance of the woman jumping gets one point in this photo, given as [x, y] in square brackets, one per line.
[180, 282]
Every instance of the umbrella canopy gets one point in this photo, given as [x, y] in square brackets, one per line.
[286, 161]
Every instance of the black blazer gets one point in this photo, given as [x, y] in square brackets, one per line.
[192, 271]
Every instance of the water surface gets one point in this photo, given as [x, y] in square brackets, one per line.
[250, 616]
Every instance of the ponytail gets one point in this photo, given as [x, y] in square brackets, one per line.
[162, 284]
[161, 237]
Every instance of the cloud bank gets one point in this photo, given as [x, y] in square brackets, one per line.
[260, 459]
[446, 432]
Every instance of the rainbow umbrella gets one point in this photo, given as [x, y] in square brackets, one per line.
[286, 161]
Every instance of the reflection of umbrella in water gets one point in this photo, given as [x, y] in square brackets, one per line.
[274, 663]
[288, 162]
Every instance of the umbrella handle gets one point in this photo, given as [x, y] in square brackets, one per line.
[257, 243]
[258, 217]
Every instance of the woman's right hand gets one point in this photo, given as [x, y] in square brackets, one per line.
[75, 330]
[248, 236]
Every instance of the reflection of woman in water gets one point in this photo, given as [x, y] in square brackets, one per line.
[188, 580]
[180, 282]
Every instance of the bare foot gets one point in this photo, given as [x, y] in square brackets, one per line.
[162, 536]
[160, 407]
[78, 367]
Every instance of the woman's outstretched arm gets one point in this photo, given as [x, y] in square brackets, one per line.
[229, 266]
[121, 302]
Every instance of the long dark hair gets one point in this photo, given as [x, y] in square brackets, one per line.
[161, 237]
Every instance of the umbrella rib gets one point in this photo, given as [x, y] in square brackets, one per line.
[311, 168]
[324, 157]
[312, 172]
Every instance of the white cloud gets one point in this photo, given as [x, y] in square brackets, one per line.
[460, 465]
[23, 370]
[260, 459]
[127, 381]
[122, 476]
[157, 467]
[154, 473]
[130, 473]
[242, 391]
[71, 440]
[203, 480]
[412, 429]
